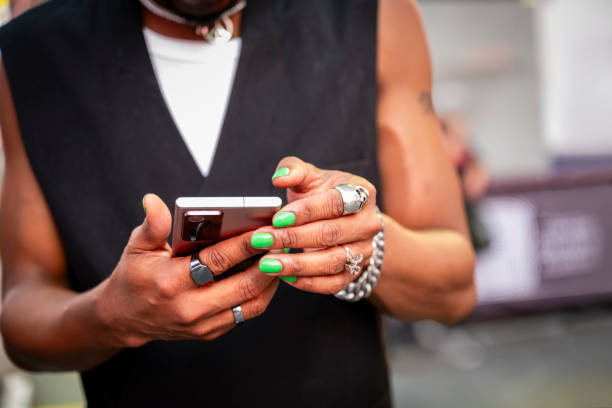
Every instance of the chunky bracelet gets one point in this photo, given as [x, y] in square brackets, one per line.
[362, 287]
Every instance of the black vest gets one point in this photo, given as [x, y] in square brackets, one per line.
[99, 136]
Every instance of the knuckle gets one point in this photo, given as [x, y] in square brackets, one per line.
[306, 212]
[368, 186]
[372, 190]
[337, 286]
[248, 289]
[246, 248]
[185, 315]
[375, 225]
[257, 307]
[307, 284]
[165, 288]
[335, 205]
[295, 266]
[216, 260]
[333, 264]
[211, 336]
[368, 252]
[132, 341]
[329, 234]
[288, 238]
[198, 331]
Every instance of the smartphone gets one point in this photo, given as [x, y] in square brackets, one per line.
[202, 221]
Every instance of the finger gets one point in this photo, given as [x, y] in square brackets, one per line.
[235, 290]
[154, 231]
[211, 327]
[325, 285]
[257, 306]
[175, 278]
[328, 261]
[320, 234]
[292, 172]
[321, 206]
[228, 253]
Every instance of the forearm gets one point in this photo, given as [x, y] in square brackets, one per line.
[52, 328]
[426, 274]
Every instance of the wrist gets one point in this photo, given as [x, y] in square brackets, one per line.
[93, 315]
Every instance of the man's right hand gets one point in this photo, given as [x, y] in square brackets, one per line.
[151, 296]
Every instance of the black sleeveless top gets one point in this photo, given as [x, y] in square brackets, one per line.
[99, 136]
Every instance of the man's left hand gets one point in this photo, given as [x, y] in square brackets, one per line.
[314, 219]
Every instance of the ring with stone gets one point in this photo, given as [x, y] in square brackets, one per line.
[353, 261]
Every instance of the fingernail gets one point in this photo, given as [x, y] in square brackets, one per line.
[283, 171]
[270, 266]
[288, 278]
[143, 205]
[283, 219]
[286, 250]
[262, 240]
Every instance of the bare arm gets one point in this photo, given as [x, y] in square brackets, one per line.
[429, 262]
[148, 296]
[36, 300]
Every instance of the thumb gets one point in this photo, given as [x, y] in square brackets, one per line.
[155, 229]
[297, 175]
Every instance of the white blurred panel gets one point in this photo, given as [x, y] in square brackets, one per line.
[575, 48]
[508, 269]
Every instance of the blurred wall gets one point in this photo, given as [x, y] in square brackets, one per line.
[484, 61]
[575, 49]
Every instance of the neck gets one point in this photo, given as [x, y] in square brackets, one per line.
[182, 31]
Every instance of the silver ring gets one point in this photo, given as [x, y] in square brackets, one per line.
[353, 197]
[199, 272]
[352, 262]
[238, 316]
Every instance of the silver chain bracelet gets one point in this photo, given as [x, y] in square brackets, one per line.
[362, 288]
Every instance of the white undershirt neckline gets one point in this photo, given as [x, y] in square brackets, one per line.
[196, 80]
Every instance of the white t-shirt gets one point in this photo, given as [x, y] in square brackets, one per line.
[196, 80]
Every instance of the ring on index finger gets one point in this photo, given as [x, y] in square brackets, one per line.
[353, 197]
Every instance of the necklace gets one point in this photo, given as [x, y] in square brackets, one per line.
[215, 30]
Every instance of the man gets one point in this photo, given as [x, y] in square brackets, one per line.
[87, 128]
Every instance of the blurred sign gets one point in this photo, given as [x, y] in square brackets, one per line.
[551, 245]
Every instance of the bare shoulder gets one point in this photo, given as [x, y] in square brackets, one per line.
[403, 54]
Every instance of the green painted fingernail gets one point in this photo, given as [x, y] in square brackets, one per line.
[283, 171]
[270, 266]
[288, 278]
[283, 219]
[143, 206]
[286, 250]
[262, 240]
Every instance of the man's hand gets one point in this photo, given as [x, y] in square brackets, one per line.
[313, 219]
[150, 295]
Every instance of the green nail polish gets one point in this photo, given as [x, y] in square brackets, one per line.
[286, 250]
[288, 278]
[283, 219]
[262, 240]
[270, 266]
[143, 206]
[283, 171]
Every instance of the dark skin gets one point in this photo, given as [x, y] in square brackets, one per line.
[427, 272]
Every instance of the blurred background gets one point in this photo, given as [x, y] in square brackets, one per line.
[524, 92]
